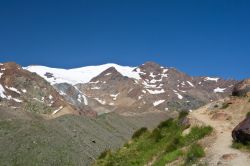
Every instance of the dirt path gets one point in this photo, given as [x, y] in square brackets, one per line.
[220, 152]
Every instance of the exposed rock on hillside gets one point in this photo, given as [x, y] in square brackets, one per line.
[21, 89]
[241, 132]
[242, 88]
[159, 88]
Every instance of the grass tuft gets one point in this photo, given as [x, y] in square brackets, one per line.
[194, 153]
[198, 133]
[239, 145]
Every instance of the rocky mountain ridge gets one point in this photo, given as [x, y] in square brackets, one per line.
[106, 88]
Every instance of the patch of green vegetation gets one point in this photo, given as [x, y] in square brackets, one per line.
[163, 145]
[241, 146]
[169, 157]
[197, 133]
[238, 145]
[139, 132]
[194, 153]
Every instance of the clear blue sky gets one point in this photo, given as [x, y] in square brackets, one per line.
[199, 37]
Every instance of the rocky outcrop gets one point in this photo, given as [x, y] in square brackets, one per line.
[241, 132]
[21, 89]
[242, 88]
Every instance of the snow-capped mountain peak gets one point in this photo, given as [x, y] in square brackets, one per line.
[79, 75]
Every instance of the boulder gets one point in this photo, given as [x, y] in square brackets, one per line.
[242, 88]
[241, 133]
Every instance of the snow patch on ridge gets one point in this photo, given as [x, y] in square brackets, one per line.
[190, 83]
[59, 109]
[13, 89]
[100, 101]
[156, 103]
[156, 91]
[211, 79]
[2, 95]
[219, 90]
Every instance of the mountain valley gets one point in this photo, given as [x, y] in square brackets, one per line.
[52, 116]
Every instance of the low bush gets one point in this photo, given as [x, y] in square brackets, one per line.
[156, 135]
[139, 132]
[166, 123]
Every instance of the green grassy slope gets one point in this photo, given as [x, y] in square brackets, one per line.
[159, 147]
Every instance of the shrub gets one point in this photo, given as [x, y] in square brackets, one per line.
[183, 114]
[156, 135]
[139, 132]
[194, 153]
[166, 123]
[105, 153]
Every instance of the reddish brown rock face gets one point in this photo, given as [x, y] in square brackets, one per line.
[241, 132]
